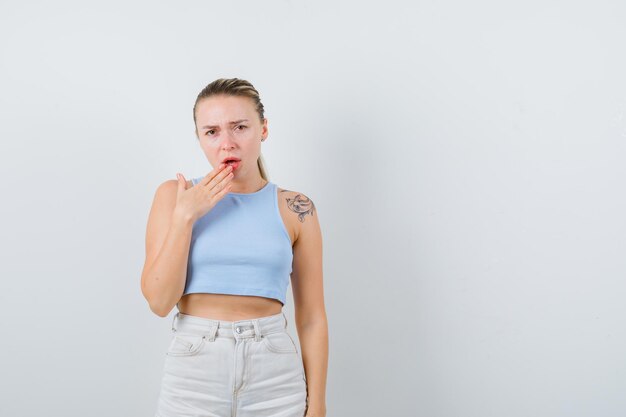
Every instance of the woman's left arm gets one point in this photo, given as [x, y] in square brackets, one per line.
[310, 313]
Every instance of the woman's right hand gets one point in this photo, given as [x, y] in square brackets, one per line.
[199, 199]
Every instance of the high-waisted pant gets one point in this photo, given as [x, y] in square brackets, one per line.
[244, 368]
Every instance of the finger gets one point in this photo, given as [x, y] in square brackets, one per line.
[224, 191]
[224, 175]
[182, 182]
[208, 177]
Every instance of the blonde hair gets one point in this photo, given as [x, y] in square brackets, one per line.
[234, 87]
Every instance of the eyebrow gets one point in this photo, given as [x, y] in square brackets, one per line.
[230, 123]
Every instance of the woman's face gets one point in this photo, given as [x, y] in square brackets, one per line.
[230, 126]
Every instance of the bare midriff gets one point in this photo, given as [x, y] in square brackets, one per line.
[228, 307]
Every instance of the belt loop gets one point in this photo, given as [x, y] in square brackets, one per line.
[257, 332]
[212, 333]
[174, 320]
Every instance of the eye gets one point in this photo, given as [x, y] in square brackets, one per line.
[242, 126]
[207, 132]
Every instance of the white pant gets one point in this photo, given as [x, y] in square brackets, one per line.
[245, 368]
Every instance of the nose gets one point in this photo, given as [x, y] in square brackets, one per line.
[228, 140]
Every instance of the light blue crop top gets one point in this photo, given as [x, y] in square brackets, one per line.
[241, 246]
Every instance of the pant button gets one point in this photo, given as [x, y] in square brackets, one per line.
[238, 329]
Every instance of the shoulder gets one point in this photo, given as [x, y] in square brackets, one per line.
[301, 209]
[171, 186]
[297, 202]
[166, 192]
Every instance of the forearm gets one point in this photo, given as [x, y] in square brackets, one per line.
[314, 344]
[164, 280]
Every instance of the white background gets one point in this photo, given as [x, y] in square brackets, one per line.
[466, 160]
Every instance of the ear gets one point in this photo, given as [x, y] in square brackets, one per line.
[264, 130]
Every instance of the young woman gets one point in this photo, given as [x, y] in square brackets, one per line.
[222, 248]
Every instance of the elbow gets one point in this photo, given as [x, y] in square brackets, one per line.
[159, 307]
[157, 304]
[159, 310]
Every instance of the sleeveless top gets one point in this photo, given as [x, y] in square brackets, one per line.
[241, 246]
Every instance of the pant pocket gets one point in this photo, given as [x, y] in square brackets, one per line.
[185, 345]
[280, 342]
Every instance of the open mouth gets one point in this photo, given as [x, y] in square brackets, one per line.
[233, 162]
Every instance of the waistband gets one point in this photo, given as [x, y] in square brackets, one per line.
[239, 329]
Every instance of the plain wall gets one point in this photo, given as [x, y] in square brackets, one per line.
[466, 160]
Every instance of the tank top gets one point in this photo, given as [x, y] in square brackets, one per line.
[241, 246]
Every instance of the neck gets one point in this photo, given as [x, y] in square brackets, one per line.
[248, 187]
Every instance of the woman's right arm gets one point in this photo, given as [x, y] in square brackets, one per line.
[168, 238]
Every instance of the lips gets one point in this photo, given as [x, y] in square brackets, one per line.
[230, 159]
